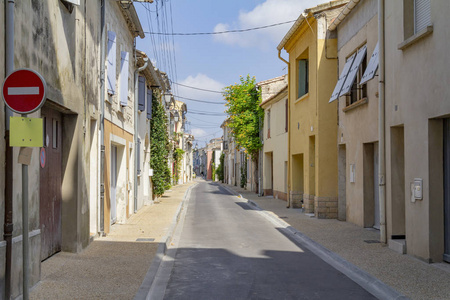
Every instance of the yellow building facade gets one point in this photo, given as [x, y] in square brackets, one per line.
[312, 150]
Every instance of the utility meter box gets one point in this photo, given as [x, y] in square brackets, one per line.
[418, 189]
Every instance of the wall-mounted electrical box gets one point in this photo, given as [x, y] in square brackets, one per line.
[418, 188]
[352, 173]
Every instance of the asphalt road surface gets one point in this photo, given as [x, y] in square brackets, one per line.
[226, 250]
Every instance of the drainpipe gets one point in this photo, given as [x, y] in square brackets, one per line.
[136, 127]
[381, 124]
[101, 149]
[288, 196]
[8, 223]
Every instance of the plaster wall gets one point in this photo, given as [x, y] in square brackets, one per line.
[59, 45]
[417, 98]
[120, 138]
[313, 122]
[360, 124]
[122, 116]
[276, 146]
[356, 21]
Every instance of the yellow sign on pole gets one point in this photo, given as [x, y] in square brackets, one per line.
[26, 132]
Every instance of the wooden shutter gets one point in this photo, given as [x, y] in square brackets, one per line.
[111, 63]
[124, 78]
[141, 93]
[149, 103]
[138, 153]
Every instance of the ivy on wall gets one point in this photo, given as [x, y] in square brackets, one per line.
[159, 148]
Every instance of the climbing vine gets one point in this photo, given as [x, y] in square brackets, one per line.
[159, 148]
[177, 158]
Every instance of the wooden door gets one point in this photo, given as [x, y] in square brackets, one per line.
[50, 183]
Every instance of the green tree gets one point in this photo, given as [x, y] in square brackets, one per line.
[159, 148]
[220, 170]
[246, 116]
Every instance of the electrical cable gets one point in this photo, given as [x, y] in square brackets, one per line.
[197, 100]
[222, 32]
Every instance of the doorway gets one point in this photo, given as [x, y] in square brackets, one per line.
[50, 183]
[446, 190]
[113, 184]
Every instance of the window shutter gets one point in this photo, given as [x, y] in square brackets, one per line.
[422, 14]
[141, 93]
[138, 153]
[124, 78]
[149, 103]
[286, 116]
[111, 63]
[347, 87]
[302, 77]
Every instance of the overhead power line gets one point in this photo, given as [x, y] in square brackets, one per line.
[222, 32]
[196, 88]
[197, 100]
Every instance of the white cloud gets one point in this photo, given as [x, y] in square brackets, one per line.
[200, 81]
[198, 132]
[267, 13]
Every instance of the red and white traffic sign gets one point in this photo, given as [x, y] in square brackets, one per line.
[24, 91]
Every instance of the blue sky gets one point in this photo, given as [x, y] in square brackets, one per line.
[214, 61]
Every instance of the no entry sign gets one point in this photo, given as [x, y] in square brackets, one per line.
[24, 91]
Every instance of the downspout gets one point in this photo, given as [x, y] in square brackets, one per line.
[8, 223]
[381, 124]
[101, 149]
[136, 127]
[288, 196]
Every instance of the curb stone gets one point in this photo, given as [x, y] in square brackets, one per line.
[161, 250]
[362, 278]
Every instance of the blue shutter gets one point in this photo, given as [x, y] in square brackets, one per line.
[149, 103]
[138, 153]
[111, 63]
[124, 78]
[141, 93]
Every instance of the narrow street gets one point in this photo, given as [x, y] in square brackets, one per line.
[227, 250]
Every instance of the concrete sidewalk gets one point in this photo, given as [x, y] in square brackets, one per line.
[358, 246]
[113, 267]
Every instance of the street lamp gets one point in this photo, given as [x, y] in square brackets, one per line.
[168, 99]
[176, 116]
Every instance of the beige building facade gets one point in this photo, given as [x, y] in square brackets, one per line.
[417, 127]
[275, 136]
[313, 170]
[357, 135]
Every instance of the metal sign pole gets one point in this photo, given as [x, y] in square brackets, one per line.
[25, 241]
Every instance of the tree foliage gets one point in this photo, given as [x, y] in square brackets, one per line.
[177, 157]
[159, 147]
[243, 101]
[220, 169]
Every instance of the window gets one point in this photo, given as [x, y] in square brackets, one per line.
[416, 16]
[342, 78]
[111, 63]
[268, 123]
[358, 91]
[302, 87]
[141, 93]
[352, 86]
[124, 66]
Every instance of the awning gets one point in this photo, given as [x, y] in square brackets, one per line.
[372, 67]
